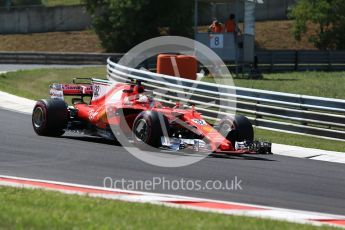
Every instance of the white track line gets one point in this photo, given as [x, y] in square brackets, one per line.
[207, 205]
[310, 153]
[15, 103]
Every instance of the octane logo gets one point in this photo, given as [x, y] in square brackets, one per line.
[209, 60]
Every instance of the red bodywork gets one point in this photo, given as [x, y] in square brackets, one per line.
[102, 112]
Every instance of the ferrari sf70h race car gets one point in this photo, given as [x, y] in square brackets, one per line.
[132, 110]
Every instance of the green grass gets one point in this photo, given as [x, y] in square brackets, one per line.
[61, 2]
[299, 140]
[37, 209]
[322, 84]
[34, 84]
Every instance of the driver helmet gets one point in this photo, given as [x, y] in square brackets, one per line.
[144, 98]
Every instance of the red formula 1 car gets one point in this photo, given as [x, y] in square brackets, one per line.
[132, 112]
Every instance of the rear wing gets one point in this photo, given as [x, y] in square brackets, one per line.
[60, 90]
[80, 87]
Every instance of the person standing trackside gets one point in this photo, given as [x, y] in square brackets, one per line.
[215, 27]
[230, 24]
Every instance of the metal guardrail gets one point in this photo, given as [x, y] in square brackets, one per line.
[315, 116]
[56, 58]
[269, 61]
[300, 60]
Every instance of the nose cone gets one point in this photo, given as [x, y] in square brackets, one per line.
[225, 147]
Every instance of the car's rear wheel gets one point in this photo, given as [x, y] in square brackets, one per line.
[50, 117]
[149, 127]
[236, 129]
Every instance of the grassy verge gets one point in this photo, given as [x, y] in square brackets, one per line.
[322, 84]
[52, 210]
[34, 84]
[61, 2]
[71, 41]
[299, 140]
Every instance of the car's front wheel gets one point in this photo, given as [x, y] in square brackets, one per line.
[236, 128]
[149, 127]
[50, 117]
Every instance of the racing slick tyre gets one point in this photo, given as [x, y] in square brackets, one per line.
[149, 127]
[50, 117]
[236, 129]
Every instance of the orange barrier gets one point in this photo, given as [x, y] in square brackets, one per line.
[187, 66]
[164, 64]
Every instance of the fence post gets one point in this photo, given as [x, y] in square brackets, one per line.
[296, 60]
[329, 61]
[271, 55]
[8, 4]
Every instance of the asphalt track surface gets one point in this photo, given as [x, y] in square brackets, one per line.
[266, 180]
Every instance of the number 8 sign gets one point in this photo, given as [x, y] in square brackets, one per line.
[217, 41]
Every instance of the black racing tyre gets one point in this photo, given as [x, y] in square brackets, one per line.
[236, 128]
[50, 117]
[149, 127]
